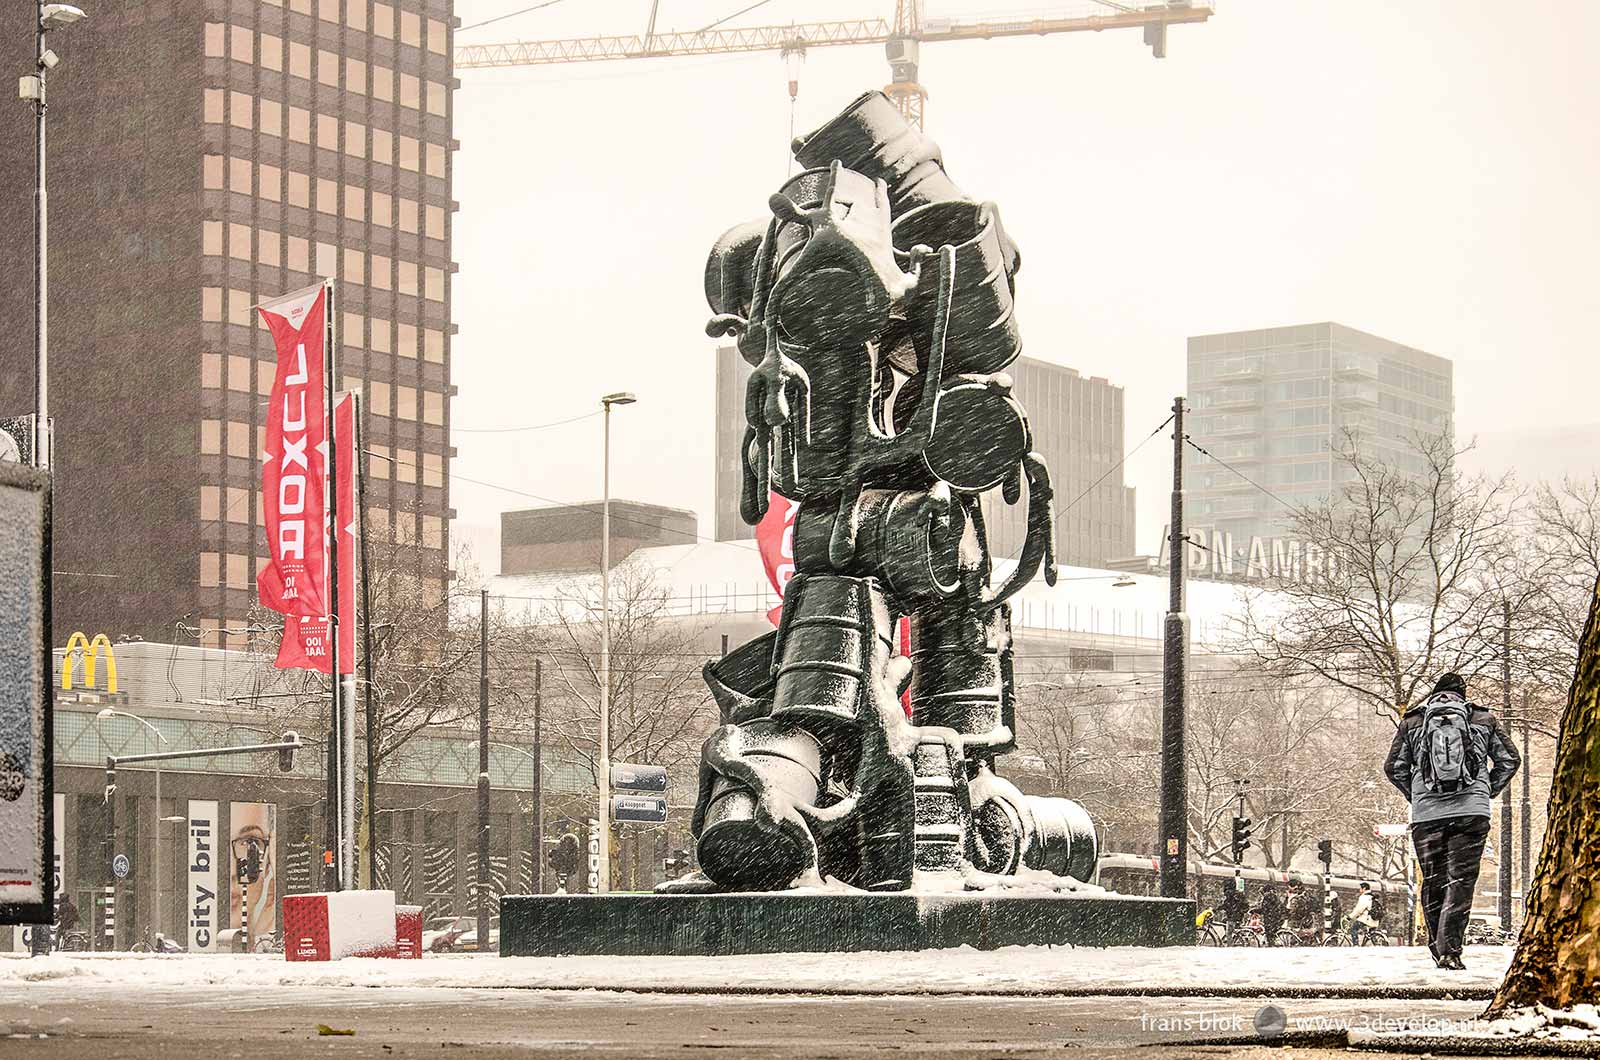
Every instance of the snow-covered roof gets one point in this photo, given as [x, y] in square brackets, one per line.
[726, 577]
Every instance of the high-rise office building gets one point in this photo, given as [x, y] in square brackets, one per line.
[1275, 403]
[205, 156]
[1077, 427]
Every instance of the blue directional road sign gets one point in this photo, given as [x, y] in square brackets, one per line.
[639, 809]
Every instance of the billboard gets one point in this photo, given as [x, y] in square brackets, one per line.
[26, 810]
[252, 867]
[203, 858]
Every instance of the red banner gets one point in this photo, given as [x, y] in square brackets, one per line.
[306, 640]
[775, 542]
[294, 475]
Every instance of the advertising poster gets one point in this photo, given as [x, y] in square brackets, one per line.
[203, 861]
[253, 867]
[25, 676]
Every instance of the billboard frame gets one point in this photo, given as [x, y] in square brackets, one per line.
[16, 476]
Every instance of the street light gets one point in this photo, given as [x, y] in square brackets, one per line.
[31, 88]
[603, 778]
[109, 712]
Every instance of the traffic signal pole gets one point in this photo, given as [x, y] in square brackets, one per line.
[110, 853]
[1325, 855]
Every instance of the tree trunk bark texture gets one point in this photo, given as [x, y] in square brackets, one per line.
[1557, 962]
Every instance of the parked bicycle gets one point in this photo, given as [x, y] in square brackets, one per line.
[72, 941]
[155, 942]
[1369, 937]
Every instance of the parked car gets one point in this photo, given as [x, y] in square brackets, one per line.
[469, 941]
[443, 933]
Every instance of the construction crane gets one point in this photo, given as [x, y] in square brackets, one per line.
[902, 38]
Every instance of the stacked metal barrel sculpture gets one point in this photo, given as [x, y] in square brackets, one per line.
[876, 308]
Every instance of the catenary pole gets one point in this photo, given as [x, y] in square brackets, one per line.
[1505, 851]
[1174, 836]
[538, 776]
[483, 770]
[1527, 807]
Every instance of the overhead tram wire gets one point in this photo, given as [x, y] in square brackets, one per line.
[509, 14]
[1203, 451]
[699, 538]
[530, 427]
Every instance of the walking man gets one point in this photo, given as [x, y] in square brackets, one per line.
[1450, 759]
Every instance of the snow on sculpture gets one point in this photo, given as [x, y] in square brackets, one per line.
[876, 308]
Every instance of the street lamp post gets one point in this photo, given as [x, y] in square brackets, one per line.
[31, 88]
[155, 867]
[603, 771]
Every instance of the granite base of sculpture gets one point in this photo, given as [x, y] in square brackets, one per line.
[875, 306]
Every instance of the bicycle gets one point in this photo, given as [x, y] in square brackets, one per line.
[155, 942]
[1369, 937]
[272, 943]
[1242, 935]
[73, 941]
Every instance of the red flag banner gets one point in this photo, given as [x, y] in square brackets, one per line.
[306, 640]
[775, 542]
[294, 475]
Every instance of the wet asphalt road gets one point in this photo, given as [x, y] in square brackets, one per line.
[58, 1021]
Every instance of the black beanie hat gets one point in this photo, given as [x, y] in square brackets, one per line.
[1451, 683]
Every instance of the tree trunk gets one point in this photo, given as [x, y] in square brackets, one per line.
[1557, 962]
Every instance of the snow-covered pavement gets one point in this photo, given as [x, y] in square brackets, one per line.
[1015, 970]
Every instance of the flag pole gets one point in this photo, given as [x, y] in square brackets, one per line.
[331, 558]
[347, 689]
[370, 809]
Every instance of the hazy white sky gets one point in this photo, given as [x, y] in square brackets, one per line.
[1426, 170]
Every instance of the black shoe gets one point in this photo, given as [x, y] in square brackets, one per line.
[1452, 962]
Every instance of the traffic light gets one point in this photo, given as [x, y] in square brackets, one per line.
[286, 754]
[250, 864]
[1241, 838]
[1325, 852]
[564, 858]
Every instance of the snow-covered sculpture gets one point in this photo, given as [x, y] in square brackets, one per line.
[876, 307]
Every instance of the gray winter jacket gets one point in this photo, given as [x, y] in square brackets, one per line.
[1495, 750]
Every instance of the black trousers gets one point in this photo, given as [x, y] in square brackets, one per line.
[1448, 852]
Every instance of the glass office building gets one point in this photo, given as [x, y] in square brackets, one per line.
[1276, 404]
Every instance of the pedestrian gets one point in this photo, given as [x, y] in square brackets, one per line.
[1234, 907]
[1301, 915]
[1271, 914]
[1450, 758]
[1361, 917]
[66, 919]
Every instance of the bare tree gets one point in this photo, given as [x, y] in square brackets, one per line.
[1406, 568]
[1558, 564]
[1301, 748]
[660, 708]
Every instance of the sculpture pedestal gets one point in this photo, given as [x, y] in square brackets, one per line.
[683, 925]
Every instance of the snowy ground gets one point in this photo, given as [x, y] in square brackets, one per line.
[1015, 970]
